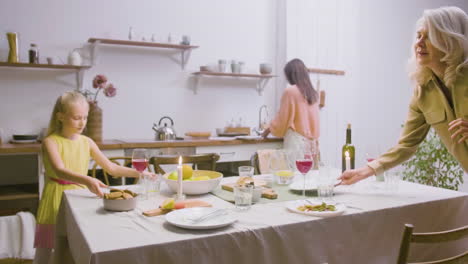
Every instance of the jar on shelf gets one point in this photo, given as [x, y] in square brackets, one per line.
[33, 54]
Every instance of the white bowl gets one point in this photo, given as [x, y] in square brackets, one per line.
[120, 205]
[196, 187]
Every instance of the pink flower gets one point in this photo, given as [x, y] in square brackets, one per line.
[99, 81]
[110, 90]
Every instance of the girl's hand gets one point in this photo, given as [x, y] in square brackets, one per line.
[150, 175]
[352, 176]
[459, 127]
[94, 185]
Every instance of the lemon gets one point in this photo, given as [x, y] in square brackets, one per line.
[173, 176]
[168, 204]
[285, 173]
[187, 171]
[202, 178]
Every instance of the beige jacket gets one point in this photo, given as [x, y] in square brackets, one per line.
[429, 108]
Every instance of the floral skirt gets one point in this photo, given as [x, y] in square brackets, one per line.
[47, 212]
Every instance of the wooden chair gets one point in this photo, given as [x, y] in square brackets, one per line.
[122, 161]
[435, 237]
[208, 160]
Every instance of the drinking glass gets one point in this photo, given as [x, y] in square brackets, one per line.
[280, 167]
[392, 179]
[140, 162]
[326, 182]
[243, 197]
[246, 171]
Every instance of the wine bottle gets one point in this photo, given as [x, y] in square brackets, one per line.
[348, 152]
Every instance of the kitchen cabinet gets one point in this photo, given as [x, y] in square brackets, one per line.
[232, 153]
[262, 79]
[185, 50]
[79, 70]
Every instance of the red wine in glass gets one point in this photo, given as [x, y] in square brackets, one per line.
[304, 165]
[140, 164]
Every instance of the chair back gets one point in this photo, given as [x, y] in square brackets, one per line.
[122, 161]
[208, 159]
[434, 237]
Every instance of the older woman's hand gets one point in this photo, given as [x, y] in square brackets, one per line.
[459, 127]
[352, 176]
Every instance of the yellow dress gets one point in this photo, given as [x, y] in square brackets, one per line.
[75, 155]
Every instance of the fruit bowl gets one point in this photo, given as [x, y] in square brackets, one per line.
[194, 187]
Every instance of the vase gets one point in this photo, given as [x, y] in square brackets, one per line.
[13, 55]
[94, 125]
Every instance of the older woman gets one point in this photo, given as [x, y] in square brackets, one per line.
[439, 68]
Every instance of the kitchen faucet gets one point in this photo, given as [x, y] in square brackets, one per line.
[261, 122]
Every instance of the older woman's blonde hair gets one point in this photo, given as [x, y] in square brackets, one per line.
[61, 106]
[448, 31]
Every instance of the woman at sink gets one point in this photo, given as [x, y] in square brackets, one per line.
[297, 120]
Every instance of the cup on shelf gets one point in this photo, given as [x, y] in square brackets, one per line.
[50, 60]
[185, 40]
[265, 68]
[204, 68]
[235, 68]
[241, 66]
[221, 65]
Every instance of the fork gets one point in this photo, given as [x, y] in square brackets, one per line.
[207, 216]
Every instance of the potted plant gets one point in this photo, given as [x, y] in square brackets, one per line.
[433, 165]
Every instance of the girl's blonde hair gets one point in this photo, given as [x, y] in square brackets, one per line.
[61, 106]
[448, 31]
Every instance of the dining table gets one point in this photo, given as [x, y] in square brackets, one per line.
[369, 230]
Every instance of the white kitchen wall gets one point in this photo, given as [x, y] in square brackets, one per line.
[371, 41]
[150, 82]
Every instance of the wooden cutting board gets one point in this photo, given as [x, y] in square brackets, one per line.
[185, 204]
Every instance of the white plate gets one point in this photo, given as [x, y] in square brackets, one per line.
[293, 205]
[249, 137]
[222, 138]
[180, 218]
[311, 182]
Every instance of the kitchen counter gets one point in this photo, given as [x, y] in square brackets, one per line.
[138, 143]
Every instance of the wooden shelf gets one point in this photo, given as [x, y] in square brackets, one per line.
[140, 43]
[44, 66]
[325, 71]
[261, 83]
[79, 70]
[185, 49]
[234, 74]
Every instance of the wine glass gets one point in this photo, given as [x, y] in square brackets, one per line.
[304, 163]
[280, 167]
[140, 162]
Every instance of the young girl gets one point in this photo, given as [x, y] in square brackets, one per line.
[66, 155]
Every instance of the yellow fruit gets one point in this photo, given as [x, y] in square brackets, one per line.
[187, 171]
[285, 173]
[173, 176]
[168, 204]
[202, 178]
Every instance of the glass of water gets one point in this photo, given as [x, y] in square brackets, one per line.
[325, 182]
[392, 179]
[243, 197]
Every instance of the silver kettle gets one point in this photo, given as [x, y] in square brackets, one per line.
[164, 132]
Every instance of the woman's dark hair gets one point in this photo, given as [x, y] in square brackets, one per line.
[297, 74]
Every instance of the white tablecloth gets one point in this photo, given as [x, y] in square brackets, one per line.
[267, 233]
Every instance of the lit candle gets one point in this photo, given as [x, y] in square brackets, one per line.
[179, 178]
[348, 161]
